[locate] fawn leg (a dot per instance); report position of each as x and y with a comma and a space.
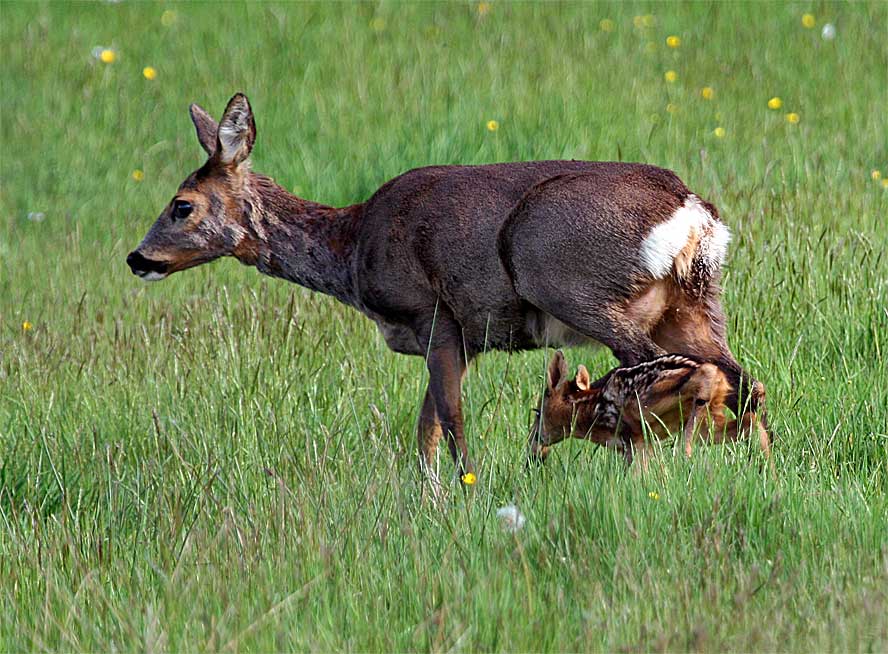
699, 417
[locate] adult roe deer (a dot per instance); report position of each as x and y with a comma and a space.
670, 393
452, 260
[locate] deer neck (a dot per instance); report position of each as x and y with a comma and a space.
298, 240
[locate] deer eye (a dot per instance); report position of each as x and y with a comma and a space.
181, 209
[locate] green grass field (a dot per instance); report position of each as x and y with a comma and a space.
226, 462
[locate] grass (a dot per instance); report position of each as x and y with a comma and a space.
226, 462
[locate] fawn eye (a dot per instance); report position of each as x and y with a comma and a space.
181, 209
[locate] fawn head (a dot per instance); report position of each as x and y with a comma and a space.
208, 217
558, 415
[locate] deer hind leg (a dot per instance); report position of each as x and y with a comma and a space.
748, 426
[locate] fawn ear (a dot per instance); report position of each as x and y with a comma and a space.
237, 131
583, 381
206, 128
557, 370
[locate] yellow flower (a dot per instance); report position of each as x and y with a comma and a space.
775, 103
707, 92
670, 76
492, 125
654, 495
808, 21
792, 118
885, 183
672, 108
168, 17
377, 24
673, 41
26, 326
606, 25
876, 175
469, 478
108, 56
638, 21
149, 72
719, 132
138, 175
483, 8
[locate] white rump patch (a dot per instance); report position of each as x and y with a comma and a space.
690, 221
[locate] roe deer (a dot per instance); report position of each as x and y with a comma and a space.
664, 395
449, 261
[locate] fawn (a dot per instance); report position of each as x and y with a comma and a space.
661, 396
450, 261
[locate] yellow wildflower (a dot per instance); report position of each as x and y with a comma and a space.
808, 21
168, 17
672, 108
876, 175
377, 24
138, 175
492, 125
673, 41
469, 478
670, 76
792, 118
149, 72
719, 132
638, 21
606, 25
26, 326
775, 103
707, 92
885, 183
654, 495
108, 56
483, 8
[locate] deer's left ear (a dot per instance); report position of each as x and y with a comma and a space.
583, 381
237, 131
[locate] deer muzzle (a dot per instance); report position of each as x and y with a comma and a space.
147, 269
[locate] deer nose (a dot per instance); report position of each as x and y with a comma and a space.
141, 266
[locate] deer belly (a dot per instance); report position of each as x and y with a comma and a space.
547, 331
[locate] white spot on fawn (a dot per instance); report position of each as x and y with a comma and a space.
690, 221
511, 519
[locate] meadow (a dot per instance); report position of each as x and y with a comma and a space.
224, 461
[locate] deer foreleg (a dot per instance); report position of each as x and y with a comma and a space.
428, 434
447, 365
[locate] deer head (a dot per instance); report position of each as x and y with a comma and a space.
208, 217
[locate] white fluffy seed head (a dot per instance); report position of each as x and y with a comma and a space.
510, 517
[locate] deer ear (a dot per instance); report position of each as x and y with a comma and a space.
206, 128
237, 131
557, 370
583, 381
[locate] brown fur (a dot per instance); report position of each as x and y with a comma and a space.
450, 261
667, 395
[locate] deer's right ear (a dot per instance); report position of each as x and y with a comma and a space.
206, 128
557, 370
237, 131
